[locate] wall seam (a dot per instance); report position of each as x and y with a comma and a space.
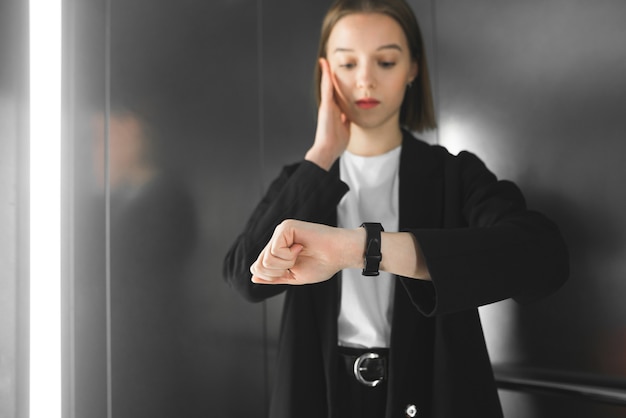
435, 67
261, 133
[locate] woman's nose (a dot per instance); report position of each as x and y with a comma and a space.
365, 77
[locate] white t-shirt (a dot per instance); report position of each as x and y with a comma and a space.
367, 302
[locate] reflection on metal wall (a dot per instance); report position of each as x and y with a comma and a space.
85, 47
166, 150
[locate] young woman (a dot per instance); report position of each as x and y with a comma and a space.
395, 242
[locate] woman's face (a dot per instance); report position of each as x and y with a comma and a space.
369, 56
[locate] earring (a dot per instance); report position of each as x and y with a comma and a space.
409, 84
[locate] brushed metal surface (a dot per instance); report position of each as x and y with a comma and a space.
181, 341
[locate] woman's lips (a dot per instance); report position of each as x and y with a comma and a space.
367, 103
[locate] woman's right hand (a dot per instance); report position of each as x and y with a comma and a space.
333, 127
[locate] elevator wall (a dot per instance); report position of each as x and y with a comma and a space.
536, 89
13, 206
182, 113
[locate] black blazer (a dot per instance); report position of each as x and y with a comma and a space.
481, 245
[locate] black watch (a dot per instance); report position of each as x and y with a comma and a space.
372, 248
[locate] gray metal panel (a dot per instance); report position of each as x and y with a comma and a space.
195, 65
180, 337
84, 49
537, 90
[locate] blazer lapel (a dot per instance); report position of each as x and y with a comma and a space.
327, 304
421, 197
421, 193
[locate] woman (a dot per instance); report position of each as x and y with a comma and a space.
387, 322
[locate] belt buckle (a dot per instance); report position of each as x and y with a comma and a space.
358, 368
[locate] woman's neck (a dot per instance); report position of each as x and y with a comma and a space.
376, 141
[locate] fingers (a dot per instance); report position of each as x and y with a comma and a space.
298, 253
326, 85
329, 85
331, 96
338, 95
274, 263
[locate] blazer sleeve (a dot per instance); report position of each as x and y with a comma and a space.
499, 249
302, 191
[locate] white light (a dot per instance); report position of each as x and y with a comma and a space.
45, 208
454, 134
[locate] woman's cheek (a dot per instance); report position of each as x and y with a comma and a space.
342, 96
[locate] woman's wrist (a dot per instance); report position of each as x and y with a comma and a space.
352, 248
402, 255
320, 159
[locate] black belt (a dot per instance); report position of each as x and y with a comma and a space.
367, 365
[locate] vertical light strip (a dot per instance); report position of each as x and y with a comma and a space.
45, 209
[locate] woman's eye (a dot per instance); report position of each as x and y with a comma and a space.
348, 65
387, 64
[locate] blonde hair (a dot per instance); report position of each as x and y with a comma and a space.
417, 112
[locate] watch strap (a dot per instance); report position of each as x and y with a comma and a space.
372, 254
